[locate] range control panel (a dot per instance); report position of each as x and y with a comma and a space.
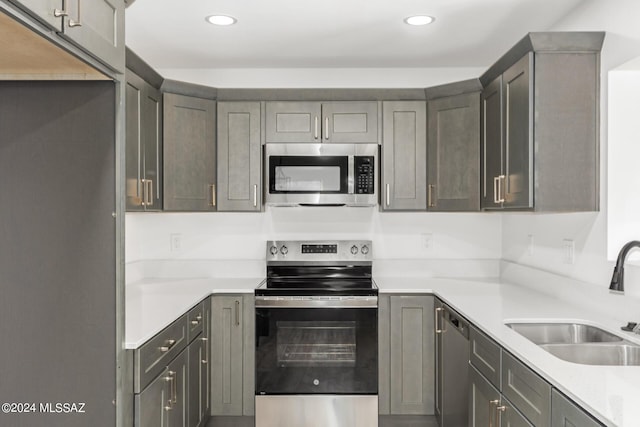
303, 250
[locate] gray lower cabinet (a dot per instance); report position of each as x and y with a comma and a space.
143, 145
540, 138
407, 356
334, 122
564, 413
95, 25
199, 365
404, 156
189, 153
232, 360
239, 157
453, 153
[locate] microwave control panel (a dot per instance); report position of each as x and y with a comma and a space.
364, 171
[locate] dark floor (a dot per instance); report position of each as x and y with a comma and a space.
384, 421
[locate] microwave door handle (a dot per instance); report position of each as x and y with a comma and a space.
351, 175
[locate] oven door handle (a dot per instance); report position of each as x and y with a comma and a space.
316, 302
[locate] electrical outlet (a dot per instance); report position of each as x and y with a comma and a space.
427, 241
530, 244
175, 242
568, 251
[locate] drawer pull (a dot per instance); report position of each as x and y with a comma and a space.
204, 361
167, 347
197, 320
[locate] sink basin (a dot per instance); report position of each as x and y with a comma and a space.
596, 354
563, 333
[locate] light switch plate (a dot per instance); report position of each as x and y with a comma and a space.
568, 251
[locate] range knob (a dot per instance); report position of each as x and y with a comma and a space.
364, 249
273, 250
284, 250
354, 249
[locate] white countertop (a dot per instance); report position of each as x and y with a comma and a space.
611, 393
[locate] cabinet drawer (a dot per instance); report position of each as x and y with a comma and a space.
484, 354
195, 321
526, 390
155, 354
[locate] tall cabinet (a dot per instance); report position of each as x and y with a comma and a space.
239, 156
539, 109
404, 155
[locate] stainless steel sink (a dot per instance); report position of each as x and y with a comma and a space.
562, 333
597, 354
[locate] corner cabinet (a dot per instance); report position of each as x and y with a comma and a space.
406, 362
143, 145
189, 153
239, 157
232, 355
404, 156
540, 136
453, 153
95, 25
345, 122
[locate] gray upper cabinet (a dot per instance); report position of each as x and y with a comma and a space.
337, 122
95, 25
239, 157
143, 145
453, 153
540, 133
404, 155
189, 153
565, 413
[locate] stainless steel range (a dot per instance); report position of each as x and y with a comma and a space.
317, 336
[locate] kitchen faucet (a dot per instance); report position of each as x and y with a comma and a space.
617, 281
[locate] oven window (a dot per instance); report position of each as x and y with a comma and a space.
308, 174
316, 351
307, 178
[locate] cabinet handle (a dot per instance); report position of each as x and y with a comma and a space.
315, 127
60, 13
437, 314
204, 361
326, 128
499, 411
174, 391
167, 347
502, 187
76, 23
237, 313
212, 189
387, 195
255, 195
169, 379
143, 196
496, 185
150, 193
430, 202
197, 320
492, 411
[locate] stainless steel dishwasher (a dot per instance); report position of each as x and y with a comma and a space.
452, 367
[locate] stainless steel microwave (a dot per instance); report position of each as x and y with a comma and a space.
321, 174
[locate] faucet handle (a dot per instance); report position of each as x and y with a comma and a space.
631, 327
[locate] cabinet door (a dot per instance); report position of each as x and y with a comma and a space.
152, 406
454, 153
98, 27
293, 122
529, 392
404, 156
43, 10
517, 91
565, 414
205, 395
412, 355
151, 130
491, 150
197, 381
134, 144
239, 157
483, 399
510, 416
189, 153
350, 122
179, 373
226, 355
439, 361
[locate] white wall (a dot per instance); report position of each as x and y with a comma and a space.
589, 231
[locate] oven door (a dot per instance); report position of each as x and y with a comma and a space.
316, 349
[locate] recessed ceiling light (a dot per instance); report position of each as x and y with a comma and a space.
419, 20
221, 20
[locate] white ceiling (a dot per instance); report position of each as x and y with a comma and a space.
333, 33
